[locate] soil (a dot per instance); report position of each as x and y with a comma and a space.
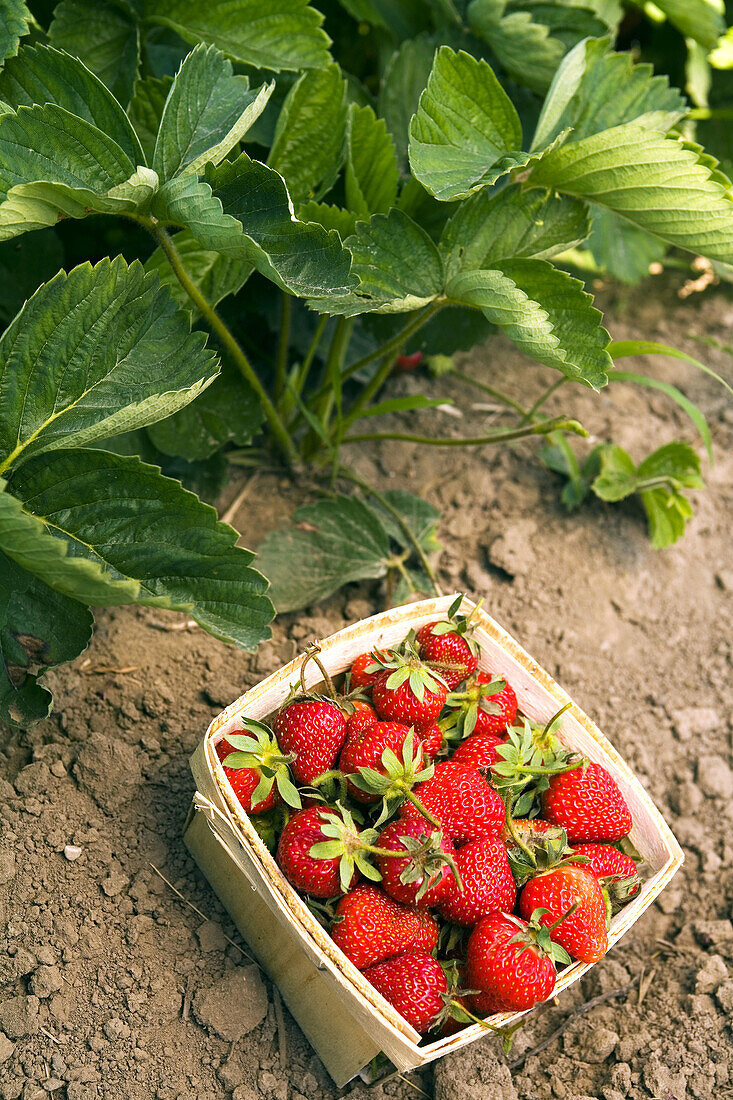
112, 986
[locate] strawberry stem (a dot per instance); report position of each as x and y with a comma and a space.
476, 1019
571, 910
515, 835
311, 654
419, 806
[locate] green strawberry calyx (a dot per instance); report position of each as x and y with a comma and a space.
466, 704
407, 666
258, 748
454, 623
538, 936
523, 770
397, 777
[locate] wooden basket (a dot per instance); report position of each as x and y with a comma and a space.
344, 1018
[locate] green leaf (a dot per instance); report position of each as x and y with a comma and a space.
398, 266
242, 210
402, 404
466, 132
333, 542
652, 181
622, 249
106, 38
107, 529
545, 312
695, 414
595, 89
39, 629
525, 48
24, 264
208, 111
308, 147
228, 411
372, 175
99, 351
215, 276
267, 34
404, 80
330, 217
622, 349
14, 23
700, 20
45, 77
667, 509
513, 224
146, 110
617, 478
420, 516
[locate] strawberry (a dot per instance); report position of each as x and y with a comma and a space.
431, 736
256, 768
583, 932
478, 750
364, 749
359, 677
511, 963
423, 876
314, 731
461, 801
588, 804
487, 883
406, 690
485, 705
407, 363
615, 870
370, 926
305, 869
414, 984
448, 646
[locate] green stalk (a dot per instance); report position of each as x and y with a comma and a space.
310, 354
281, 363
531, 413
397, 341
543, 428
403, 526
222, 332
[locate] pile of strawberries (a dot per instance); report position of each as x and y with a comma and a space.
457, 851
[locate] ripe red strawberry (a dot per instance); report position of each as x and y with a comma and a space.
319, 877
461, 800
360, 678
431, 736
244, 782
583, 933
370, 926
447, 646
588, 804
364, 748
256, 768
528, 826
407, 363
496, 710
610, 865
478, 750
507, 962
314, 730
414, 984
487, 883
424, 875
407, 690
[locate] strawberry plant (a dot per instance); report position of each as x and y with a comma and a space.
328, 195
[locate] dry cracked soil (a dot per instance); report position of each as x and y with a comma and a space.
113, 987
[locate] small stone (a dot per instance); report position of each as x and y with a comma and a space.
591, 1044
714, 777
724, 995
33, 1091
115, 883
711, 975
46, 981
512, 551
724, 578
51, 1084
211, 937
7, 865
19, 1016
621, 1077
58, 769
661, 1081
711, 933
116, 1029
6, 1048
72, 852
234, 1005
694, 721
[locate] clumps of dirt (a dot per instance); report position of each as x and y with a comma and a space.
112, 986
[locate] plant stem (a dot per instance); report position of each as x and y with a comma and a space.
544, 428
310, 354
531, 413
397, 341
403, 526
281, 363
419, 806
222, 332
502, 397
